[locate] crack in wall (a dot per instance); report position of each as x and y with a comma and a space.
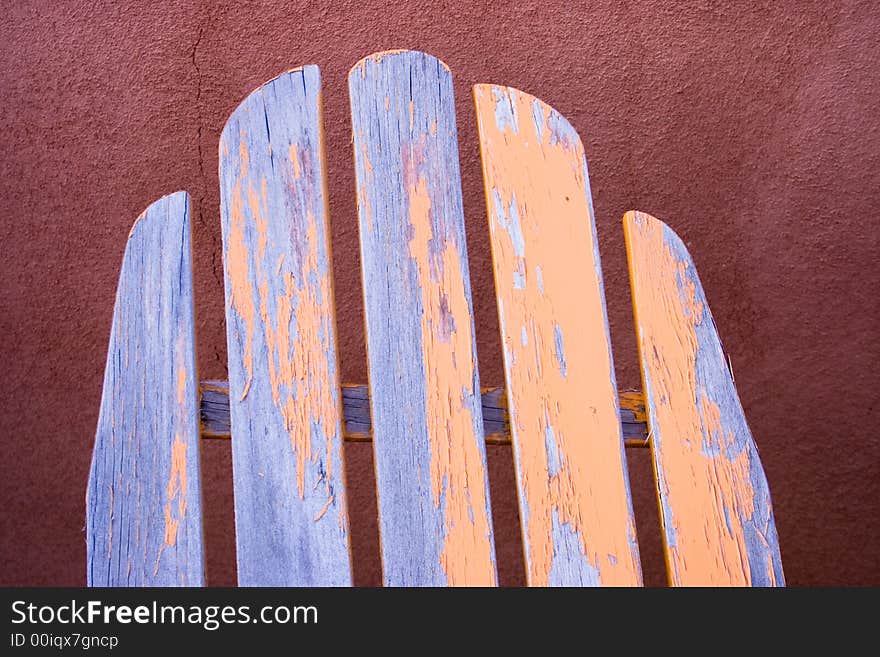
200, 121
203, 192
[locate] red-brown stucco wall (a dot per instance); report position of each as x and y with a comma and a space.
751, 129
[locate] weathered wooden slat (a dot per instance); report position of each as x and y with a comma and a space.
715, 503
433, 490
291, 523
143, 505
357, 425
577, 518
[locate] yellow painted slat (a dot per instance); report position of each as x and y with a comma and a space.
715, 503
574, 497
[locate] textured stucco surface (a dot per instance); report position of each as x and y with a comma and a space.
752, 130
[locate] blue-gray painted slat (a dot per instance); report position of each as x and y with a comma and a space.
433, 496
143, 505
290, 516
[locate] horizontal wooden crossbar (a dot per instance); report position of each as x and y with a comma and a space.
356, 414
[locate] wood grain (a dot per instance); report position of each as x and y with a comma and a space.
291, 522
143, 504
577, 519
427, 424
357, 423
715, 503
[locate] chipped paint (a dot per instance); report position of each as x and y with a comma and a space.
704, 471
291, 364
237, 274
295, 161
376, 58
457, 475
559, 344
286, 425
429, 453
181, 383
176, 492
577, 518
504, 109
364, 202
301, 370
323, 510
368, 167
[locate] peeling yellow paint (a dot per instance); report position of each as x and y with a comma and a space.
564, 414
299, 377
457, 472
181, 384
240, 296
364, 203
261, 222
323, 510
368, 166
294, 160
180, 364
771, 574
243, 155
175, 492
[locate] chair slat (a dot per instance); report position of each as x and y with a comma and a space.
433, 492
143, 505
575, 506
285, 411
715, 504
